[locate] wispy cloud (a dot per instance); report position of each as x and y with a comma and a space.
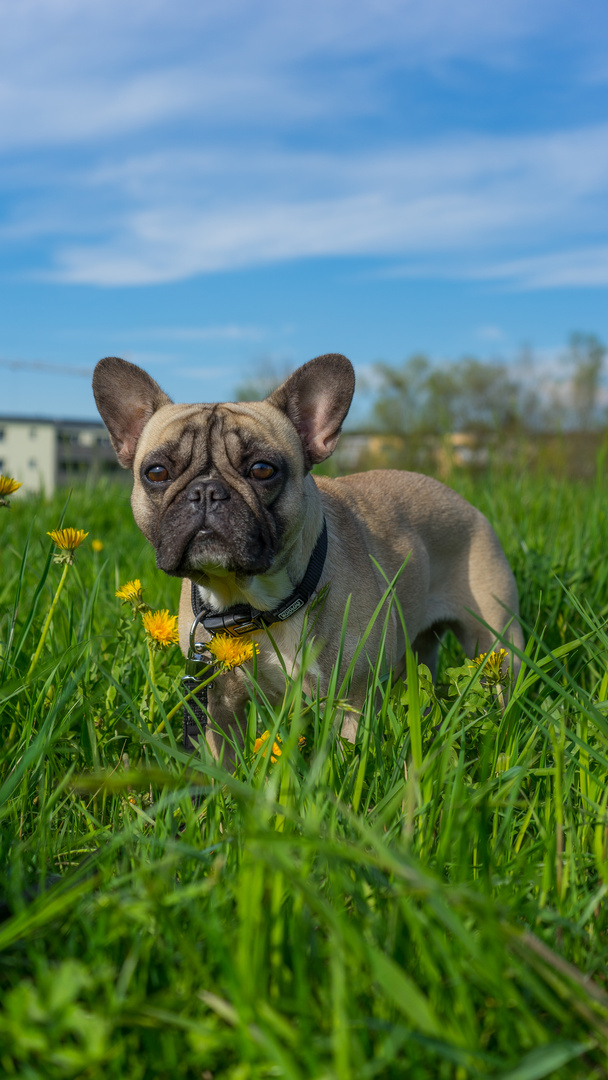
576, 268
140, 148
73, 71
446, 202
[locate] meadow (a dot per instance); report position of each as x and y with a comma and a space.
429, 903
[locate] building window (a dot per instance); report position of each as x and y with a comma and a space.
1, 464
1, 433
33, 432
32, 463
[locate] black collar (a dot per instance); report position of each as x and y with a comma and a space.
242, 618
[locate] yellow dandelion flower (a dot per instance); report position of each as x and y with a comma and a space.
161, 628
477, 661
67, 540
276, 746
232, 652
493, 671
8, 486
97, 545
131, 592
276, 749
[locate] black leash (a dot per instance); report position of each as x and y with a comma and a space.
237, 620
199, 667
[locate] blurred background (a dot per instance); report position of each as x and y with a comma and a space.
220, 191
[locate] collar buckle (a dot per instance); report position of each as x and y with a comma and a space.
233, 623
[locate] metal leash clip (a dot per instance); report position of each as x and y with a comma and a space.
198, 663
199, 660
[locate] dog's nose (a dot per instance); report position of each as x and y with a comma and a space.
206, 491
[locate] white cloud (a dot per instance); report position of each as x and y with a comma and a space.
227, 93
581, 267
446, 203
72, 71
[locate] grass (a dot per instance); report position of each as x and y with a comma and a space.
429, 903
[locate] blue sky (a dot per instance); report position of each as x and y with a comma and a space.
211, 188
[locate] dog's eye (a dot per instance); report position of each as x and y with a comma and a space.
157, 473
262, 470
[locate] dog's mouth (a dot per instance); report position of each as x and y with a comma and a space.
204, 553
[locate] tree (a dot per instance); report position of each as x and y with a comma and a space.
401, 395
422, 398
586, 354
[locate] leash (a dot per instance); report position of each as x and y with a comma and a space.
199, 667
237, 620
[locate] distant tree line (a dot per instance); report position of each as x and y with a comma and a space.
421, 397
424, 398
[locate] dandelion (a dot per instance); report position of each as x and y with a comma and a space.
276, 746
232, 652
8, 486
132, 593
67, 540
493, 672
160, 627
161, 631
97, 545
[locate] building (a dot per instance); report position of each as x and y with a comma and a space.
44, 454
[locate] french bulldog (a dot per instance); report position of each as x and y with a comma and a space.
225, 494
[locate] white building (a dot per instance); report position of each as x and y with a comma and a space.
44, 453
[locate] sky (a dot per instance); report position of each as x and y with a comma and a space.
214, 190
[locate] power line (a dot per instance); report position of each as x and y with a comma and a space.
50, 369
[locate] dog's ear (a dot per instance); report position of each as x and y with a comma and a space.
126, 398
316, 398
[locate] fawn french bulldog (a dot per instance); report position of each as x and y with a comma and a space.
225, 494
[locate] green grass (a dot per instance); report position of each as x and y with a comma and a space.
428, 903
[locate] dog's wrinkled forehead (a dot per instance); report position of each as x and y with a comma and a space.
216, 435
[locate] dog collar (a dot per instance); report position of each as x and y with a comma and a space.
242, 618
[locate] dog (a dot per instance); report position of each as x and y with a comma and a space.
225, 494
